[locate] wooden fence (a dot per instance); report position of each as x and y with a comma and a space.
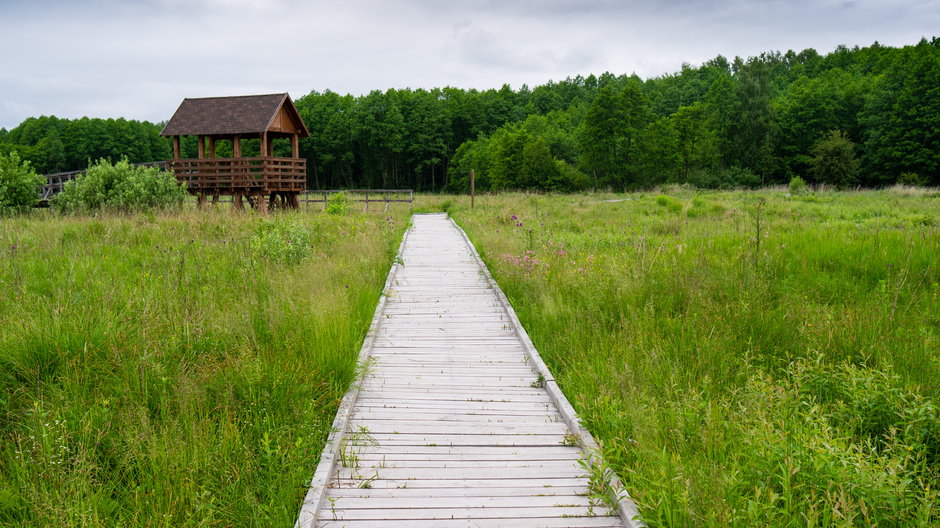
363, 196
366, 197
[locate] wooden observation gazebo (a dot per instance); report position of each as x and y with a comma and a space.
265, 117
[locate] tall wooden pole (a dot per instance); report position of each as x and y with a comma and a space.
473, 191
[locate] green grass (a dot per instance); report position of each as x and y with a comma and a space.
179, 369
745, 358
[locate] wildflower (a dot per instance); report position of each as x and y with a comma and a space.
513, 217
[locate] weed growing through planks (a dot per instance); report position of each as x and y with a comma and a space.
600, 477
367, 483
352, 445
539, 382
333, 506
571, 439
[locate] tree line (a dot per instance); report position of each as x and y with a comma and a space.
865, 116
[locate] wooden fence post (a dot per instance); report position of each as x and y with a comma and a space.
473, 180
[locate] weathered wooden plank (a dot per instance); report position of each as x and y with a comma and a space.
412, 427
365, 466
532, 522
561, 510
480, 483
540, 491
448, 440
437, 457
465, 418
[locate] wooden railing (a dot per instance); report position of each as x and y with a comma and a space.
242, 175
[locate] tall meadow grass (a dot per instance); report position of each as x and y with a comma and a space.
178, 369
745, 358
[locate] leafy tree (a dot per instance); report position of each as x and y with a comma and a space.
752, 119
612, 132
696, 141
19, 184
834, 160
903, 118
811, 107
721, 103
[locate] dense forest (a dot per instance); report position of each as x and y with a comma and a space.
854, 117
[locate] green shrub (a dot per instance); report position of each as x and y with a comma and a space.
572, 178
282, 241
19, 184
912, 179
338, 204
834, 160
798, 186
120, 187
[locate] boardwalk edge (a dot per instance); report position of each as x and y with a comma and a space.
626, 508
310, 507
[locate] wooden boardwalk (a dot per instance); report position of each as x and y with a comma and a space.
455, 422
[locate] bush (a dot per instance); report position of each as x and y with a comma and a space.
834, 160
19, 184
572, 179
338, 204
798, 186
120, 187
282, 241
912, 179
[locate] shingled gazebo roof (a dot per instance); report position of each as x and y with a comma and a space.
227, 116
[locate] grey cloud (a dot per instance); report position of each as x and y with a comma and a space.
138, 58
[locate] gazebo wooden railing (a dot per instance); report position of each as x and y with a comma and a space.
209, 175
253, 178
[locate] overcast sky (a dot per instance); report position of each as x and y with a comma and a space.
139, 58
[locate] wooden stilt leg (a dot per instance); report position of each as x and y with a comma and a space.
237, 202
201, 200
261, 204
